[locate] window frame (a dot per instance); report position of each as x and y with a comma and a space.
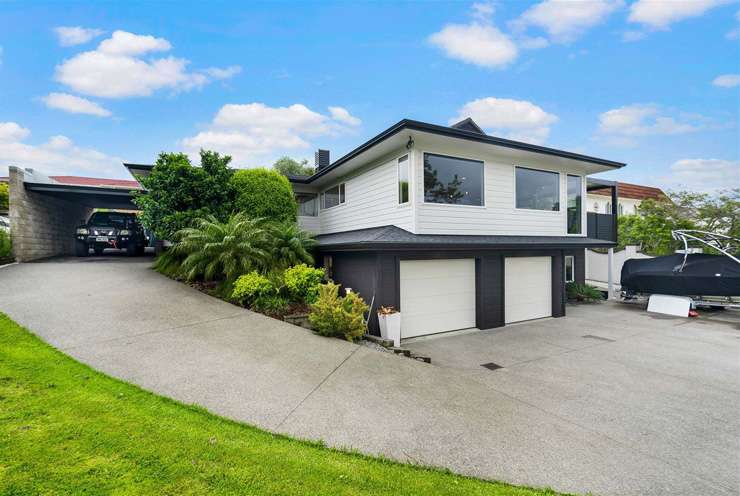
557, 173
341, 192
572, 268
582, 221
456, 157
404, 159
317, 197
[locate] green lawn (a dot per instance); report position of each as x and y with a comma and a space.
67, 429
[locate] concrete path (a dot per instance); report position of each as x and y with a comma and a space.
652, 412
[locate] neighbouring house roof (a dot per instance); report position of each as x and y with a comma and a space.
633, 191
395, 238
4, 179
97, 181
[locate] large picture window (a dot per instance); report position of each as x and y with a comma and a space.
307, 204
537, 189
452, 180
333, 196
403, 179
574, 204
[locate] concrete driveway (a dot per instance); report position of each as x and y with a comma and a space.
644, 406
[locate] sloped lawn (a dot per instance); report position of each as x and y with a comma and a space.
66, 429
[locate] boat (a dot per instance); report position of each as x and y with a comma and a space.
704, 277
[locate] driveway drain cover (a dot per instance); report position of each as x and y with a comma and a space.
491, 366
591, 336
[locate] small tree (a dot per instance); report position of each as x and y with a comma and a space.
263, 193
290, 167
4, 197
177, 193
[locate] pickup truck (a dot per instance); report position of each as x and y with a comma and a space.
103, 230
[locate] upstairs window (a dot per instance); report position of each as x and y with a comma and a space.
403, 179
308, 204
537, 189
333, 196
574, 204
452, 180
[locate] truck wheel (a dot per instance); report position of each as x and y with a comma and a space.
81, 249
132, 249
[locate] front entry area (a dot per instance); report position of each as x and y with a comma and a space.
527, 288
436, 296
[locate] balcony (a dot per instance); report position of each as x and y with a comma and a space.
603, 226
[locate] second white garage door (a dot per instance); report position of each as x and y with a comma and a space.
528, 288
437, 296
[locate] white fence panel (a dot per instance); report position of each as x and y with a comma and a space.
597, 264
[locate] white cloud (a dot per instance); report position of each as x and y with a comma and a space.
341, 114
517, 119
74, 104
223, 73
727, 80
476, 43
704, 174
57, 156
115, 69
76, 35
566, 20
483, 10
533, 43
660, 14
255, 133
630, 36
622, 125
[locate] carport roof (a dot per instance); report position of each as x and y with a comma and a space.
395, 238
89, 191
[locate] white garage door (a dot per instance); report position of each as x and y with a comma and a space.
437, 296
528, 288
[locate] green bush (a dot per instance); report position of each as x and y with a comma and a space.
332, 315
6, 247
289, 244
263, 193
582, 292
251, 287
302, 283
4, 197
273, 305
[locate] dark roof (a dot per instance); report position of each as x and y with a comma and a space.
392, 237
468, 125
455, 133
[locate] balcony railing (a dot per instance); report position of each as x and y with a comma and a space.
601, 226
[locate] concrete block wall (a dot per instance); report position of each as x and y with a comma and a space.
41, 226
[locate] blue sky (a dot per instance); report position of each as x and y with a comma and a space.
653, 83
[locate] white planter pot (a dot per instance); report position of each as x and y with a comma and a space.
390, 327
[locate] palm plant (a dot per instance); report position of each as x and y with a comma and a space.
215, 250
289, 245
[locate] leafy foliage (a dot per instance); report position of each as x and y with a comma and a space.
289, 245
215, 250
4, 197
263, 193
250, 287
290, 167
273, 305
302, 282
6, 247
582, 292
178, 193
332, 315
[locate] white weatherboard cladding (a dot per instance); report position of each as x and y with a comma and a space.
528, 288
499, 216
310, 224
371, 201
436, 296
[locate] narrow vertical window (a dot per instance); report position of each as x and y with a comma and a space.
574, 204
403, 179
570, 268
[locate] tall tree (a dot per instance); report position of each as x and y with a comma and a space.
290, 167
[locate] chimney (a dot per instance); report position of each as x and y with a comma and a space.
321, 158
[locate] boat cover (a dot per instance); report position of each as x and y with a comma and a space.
703, 275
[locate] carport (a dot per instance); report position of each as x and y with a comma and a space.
44, 211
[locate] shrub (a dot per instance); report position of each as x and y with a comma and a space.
6, 247
251, 287
290, 245
302, 282
332, 315
4, 197
582, 292
273, 305
263, 193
